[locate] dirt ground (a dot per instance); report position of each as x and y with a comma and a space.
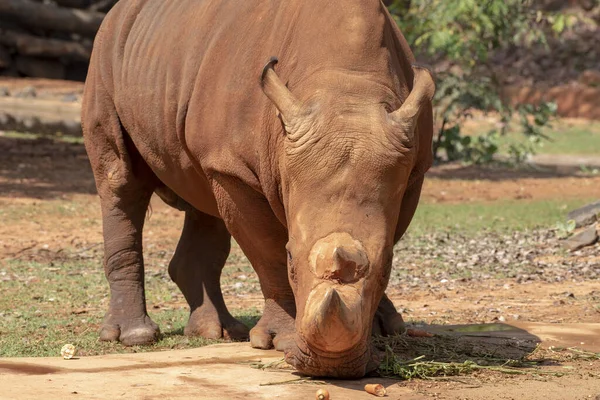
229, 371
49, 212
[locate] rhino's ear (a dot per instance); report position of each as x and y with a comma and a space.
422, 93
287, 104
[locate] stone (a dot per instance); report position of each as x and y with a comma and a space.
586, 215
4, 92
586, 237
27, 92
70, 98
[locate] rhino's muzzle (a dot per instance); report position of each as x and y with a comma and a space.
352, 364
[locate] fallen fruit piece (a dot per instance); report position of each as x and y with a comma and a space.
67, 351
322, 394
375, 389
418, 333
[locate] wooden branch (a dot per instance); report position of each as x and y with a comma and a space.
29, 45
44, 16
102, 5
74, 3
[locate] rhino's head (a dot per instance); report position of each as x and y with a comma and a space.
345, 169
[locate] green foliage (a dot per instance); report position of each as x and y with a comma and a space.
564, 230
463, 35
532, 120
466, 30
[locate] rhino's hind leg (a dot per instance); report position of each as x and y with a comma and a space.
387, 320
196, 268
125, 184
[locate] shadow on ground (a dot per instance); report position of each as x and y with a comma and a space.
496, 173
236, 371
43, 168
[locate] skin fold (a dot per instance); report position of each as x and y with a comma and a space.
314, 164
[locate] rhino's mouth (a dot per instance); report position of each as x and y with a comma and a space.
352, 364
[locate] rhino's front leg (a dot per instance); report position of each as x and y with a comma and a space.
125, 184
126, 320
262, 237
387, 320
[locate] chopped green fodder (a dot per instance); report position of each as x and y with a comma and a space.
394, 367
573, 354
452, 355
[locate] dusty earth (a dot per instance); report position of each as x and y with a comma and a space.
235, 371
49, 212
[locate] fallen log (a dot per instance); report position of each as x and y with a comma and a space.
5, 59
29, 45
44, 16
40, 116
74, 3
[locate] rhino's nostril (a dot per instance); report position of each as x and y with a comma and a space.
344, 267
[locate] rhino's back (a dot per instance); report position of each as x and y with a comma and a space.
183, 76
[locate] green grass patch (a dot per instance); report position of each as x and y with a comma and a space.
498, 216
569, 139
563, 137
59, 137
44, 306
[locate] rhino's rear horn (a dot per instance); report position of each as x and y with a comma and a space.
422, 93
287, 104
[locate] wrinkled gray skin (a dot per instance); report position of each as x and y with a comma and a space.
314, 165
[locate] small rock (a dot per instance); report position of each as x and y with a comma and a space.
501, 319
587, 237
70, 98
4, 92
586, 215
27, 92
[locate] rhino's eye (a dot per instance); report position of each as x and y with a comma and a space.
291, 267
289, 257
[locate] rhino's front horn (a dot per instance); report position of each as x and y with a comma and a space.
332, 320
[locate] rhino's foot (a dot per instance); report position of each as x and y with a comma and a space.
130, 332
210, 324
387, 320
275, 328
